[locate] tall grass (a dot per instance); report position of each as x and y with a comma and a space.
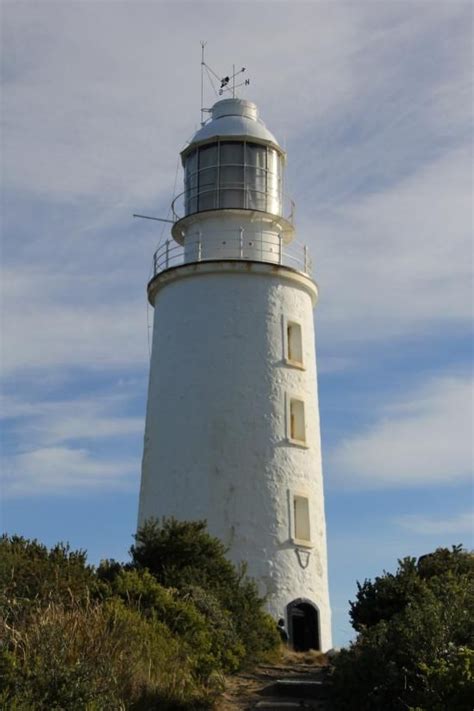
95, 656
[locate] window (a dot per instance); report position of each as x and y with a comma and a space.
208, 177
301, 518
233, 174
191, 182
297, 423
294, 345
256, 176
274, 181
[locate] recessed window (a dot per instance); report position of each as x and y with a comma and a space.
301, 518
297, 423
294, 343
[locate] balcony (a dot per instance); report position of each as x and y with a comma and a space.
236, 244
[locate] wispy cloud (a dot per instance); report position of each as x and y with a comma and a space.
461, 523
398, 262
52, 471
422, 439
46, 423
68, 445
66, 320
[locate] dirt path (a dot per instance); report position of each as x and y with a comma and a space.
244, 690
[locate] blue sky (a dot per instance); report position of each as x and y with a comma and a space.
372, 103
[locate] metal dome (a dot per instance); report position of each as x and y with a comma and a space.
236, 118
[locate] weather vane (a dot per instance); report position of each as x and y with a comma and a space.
225, 83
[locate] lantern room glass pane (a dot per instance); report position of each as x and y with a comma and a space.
191, 163
231, 153
231, 174
273, 161
256, 155
274, 189
208, 156
190, 182
207, 189
256, 188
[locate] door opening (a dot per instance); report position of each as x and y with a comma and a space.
303, 625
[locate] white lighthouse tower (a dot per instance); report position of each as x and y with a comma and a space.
232, 428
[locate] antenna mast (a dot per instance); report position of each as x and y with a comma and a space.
225, 83
203, 44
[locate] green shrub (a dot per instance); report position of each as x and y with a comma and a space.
31, 571
227, 646
414, 648
184, 555
139, 589
156, 633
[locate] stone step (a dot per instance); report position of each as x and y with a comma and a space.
298, 688
290, 705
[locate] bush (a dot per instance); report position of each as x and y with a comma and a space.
414, 649
156, 633
98, 656
29, 571
183, 555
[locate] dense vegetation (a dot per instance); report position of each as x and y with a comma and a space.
156, 633
415, 644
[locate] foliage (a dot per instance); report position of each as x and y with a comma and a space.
31, 571
96, 656
180, 553
183, 555
414, 648
389, 594
158, 632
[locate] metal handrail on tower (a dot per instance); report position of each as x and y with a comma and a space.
181, 202
238, 244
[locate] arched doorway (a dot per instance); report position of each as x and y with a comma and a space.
303, 625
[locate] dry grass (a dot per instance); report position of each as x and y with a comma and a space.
95, 656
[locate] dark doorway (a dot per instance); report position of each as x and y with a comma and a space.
303, 625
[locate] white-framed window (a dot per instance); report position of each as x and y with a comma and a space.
296, 420
302, 530
300, 518
293, 343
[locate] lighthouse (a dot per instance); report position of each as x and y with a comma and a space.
232, 430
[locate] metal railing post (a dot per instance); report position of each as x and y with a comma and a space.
241, 242
280, 245
154, 264
306, 259
199, 255
167, 252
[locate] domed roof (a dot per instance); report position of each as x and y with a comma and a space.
236, 118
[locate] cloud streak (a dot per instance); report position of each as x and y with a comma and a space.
53, 471
69, 445
461, 523
424, 439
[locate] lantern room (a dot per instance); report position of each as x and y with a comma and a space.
233, 161
233, 205
238, 174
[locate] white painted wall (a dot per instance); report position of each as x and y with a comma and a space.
216, 443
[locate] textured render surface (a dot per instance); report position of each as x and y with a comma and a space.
216, 438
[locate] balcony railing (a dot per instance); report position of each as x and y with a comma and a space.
234, 195
239, 245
